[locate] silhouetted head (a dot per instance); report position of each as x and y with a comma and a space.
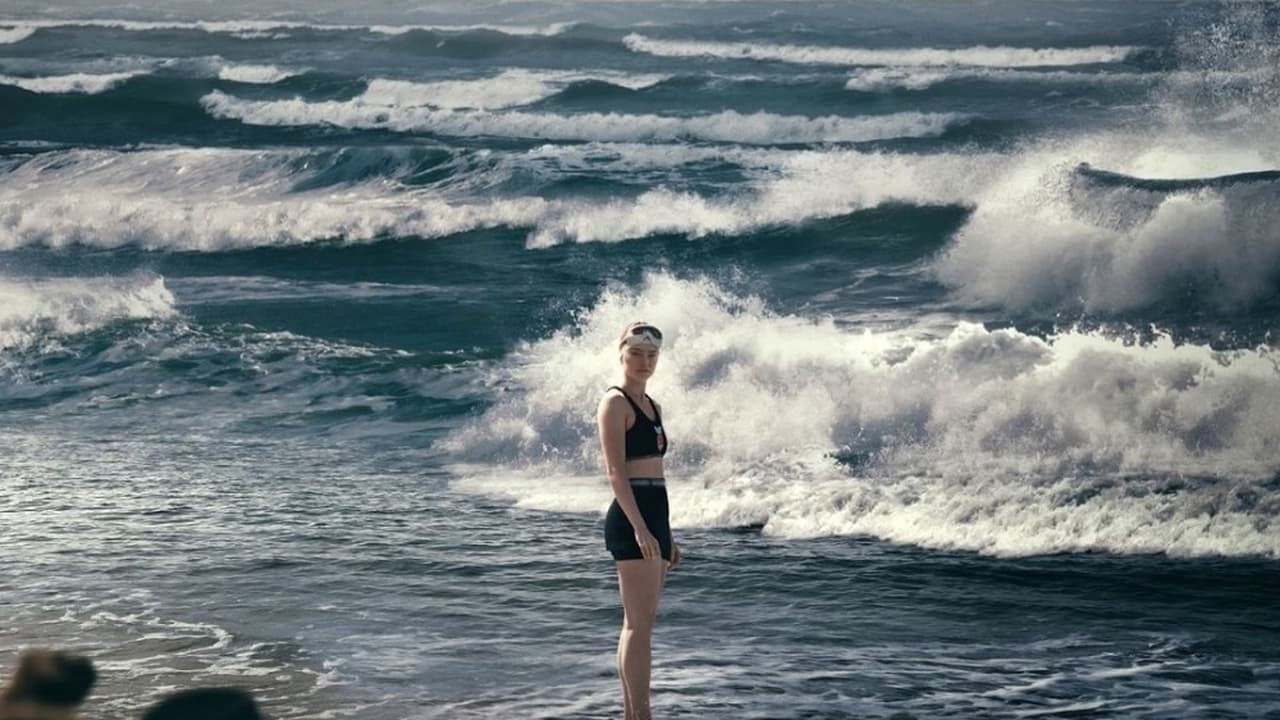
206, 704
48, 678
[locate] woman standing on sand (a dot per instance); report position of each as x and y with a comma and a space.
637, 528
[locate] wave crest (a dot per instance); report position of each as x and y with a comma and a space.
16, 34
805, 186
178, 200
510, 88
1045, 237
32, 310
756, 128
82, 83
9, 36
979, 56
921, 78
264, 28
255, 74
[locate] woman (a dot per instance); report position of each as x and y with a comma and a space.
637, 529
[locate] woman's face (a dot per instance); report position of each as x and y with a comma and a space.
639, 362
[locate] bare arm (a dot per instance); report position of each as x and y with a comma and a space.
611, 422
675, 547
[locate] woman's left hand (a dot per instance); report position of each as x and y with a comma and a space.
675, 555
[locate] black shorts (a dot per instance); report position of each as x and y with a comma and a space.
620, 537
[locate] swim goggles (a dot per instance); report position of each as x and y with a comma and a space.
645, 335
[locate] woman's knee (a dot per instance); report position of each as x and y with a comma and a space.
640, 622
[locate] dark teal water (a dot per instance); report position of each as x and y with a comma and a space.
971, 373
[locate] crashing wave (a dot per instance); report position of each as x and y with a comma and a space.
993, 441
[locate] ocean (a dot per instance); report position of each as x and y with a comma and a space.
972, 374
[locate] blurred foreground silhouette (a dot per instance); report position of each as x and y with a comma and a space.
49, 685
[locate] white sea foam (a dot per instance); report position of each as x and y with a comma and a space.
261, 35
17, 34
922, 78
259, 74
979, 56
109, 218
729, 126
1045, 237
884, 78
543, 30
136, 638
509, 88
992, 441
34, 309
1034, 241
210, 200
260, 27
82, 83
806, 186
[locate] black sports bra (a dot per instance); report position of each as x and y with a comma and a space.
646, 438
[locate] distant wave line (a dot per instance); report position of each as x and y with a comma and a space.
257, 26
82, 83
754, 129
977, 56
255, 74
161, 199
509, 88
923, 78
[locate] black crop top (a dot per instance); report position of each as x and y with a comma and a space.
646, 438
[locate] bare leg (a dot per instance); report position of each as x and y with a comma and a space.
622, 677
640, 583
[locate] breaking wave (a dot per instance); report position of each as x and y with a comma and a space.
1049, 235
979, 56
256, 74
729, 126
9, 36
32, 311
992, 441
83, 83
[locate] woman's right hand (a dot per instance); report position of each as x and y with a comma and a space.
649, 547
